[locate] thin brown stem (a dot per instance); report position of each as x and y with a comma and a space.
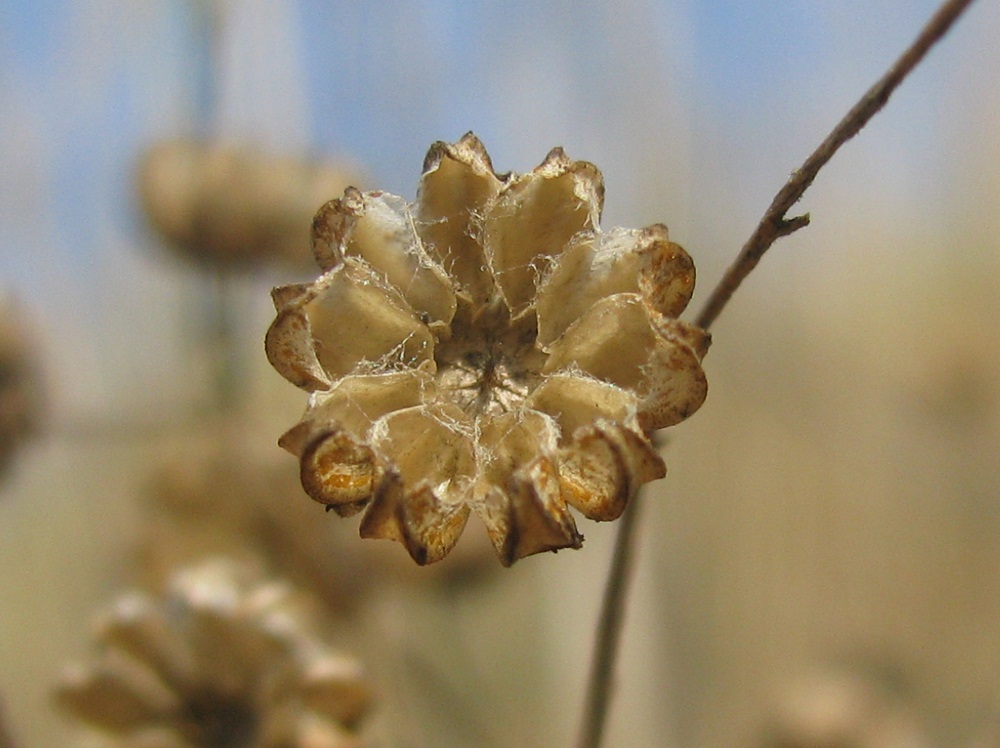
772, 227
601, 679
774, 224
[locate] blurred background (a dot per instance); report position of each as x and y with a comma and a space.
821, 566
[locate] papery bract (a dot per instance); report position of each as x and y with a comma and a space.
486, 350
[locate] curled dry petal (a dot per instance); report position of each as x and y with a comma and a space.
378, 228
604, 459
428, 446
576, 400
524, 511
510, 441
432, 464
597, 265
417, 518
538, 517
337, 470
487, 350
457, 184
603, 465
337, 465
534, 217
664, 371
350, 320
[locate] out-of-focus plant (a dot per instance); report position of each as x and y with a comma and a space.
235, 206
221, 658
21, 390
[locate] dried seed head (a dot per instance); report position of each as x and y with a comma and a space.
222, 659
233, 206
488, 350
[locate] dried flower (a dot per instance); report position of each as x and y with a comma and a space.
487, 349
234, 206
221, 661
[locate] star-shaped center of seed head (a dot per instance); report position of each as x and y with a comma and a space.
490, 363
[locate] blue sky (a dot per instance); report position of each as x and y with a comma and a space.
382, 80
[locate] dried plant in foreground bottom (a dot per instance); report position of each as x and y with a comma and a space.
219, 661
487, 349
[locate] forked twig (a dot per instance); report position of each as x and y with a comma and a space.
772, 227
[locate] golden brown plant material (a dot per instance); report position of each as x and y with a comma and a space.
221, 658
235, 206
489, 349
